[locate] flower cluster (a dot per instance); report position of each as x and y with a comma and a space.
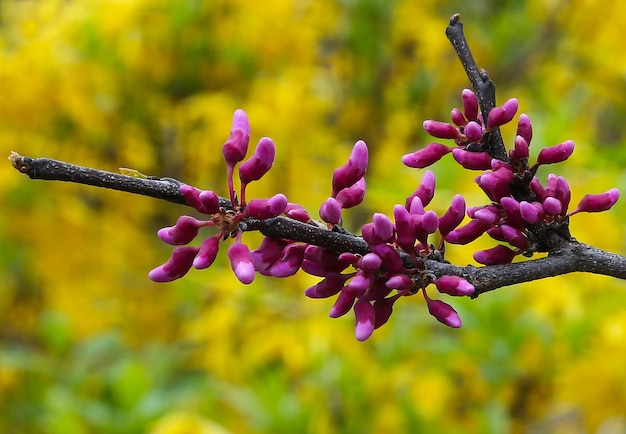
521, 210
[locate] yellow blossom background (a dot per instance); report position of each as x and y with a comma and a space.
89, 344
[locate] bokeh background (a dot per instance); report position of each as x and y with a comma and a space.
88, 344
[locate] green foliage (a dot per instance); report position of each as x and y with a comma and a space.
89, 344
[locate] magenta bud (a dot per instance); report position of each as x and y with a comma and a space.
454, 285
562, 193
425, 191
319, 261
429, 222
597, 202
488, 214
401, 282
365, 314
552, 206
466, 234
235, 149
472, 160
331, 285
370, 262
453, 216
538, 189
263, 209
473, 131
513, 215
176, 267
457, 117
256, 166
343, 304
210, 201
384, 308
390, 257
289, 263
495, 256
330, 211
369, 234
511, 235
185, 230
297, 212
470, 104
524, 128
360, 283
351, 172
269, 251
383, 227
416, 207
556, 154
444, 313
426, 156
502, 114
405, 233
496, 184
442, 130
207, 253
521, 147
532, 212
241, 262
192, 197
352, 196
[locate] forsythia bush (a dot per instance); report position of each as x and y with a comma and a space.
90, 344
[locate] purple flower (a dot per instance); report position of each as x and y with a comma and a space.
426, 156
454, 285
556, 154
256, 166
351, 172
472, 160
263, 209
494, 256
330, 211
597, 202
241, 262
236, 147
351, 196
177, 266
502, 114
443, 312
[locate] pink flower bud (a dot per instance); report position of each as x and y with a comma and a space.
556, 154
352, 196
524, 128
383, 227
210, 201
192, 196
454, 285
457, 117
269, 251
511, 235
442, 130
351, 172
562, 193
415, 206
495, 256
235, 149
466, 234
496, 184
488, 214
426, 156
390, 257
521, 147
429, 222
297, 212
360, 283
331, 285
176, 267
597, 202
383, 308
343, 304
513, 215
473, 131
401, 282
319, 261
552, 206
330, 211
453, 216
425, 191
365, 314
370, 262
207, 253
289, 263
444, 313
263, 209
470, 104
405, 233
369, 234
241, 262
256, 166
185, 230
532, 212
502, 114
538, 189
472, 160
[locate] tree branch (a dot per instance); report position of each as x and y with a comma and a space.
571, 257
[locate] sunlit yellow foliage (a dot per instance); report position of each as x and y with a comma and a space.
89, 344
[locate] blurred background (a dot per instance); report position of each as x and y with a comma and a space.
89, 344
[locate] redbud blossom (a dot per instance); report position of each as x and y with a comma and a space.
207, 253
457, 117
473, 131
524, 128
597, 202
269, 251
256, 166
343, 304
502, 114
329, 286
443, 312
185, 230
472, 160
297, 212
330, 211
552, 206
263, 209
513, 215
556, 154
176, 267
442, 130
348, 174
210, 201
470, 104
426, 156
192, 197
453, 216
425, 191
532, 212
352, 196
289, 262
241, 262
467, 233
365, 314
454, 285
401, 282
235, 149
521, 147
383, 227
405, 234
494, 256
